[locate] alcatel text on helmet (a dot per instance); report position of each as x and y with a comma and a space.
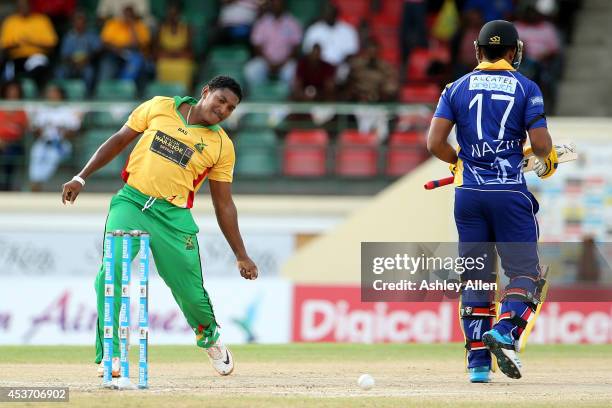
501, 33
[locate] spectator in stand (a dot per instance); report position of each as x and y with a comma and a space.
275, 38
53, 126
491, 9
59, 11
413, 28
541, 56
566, 18
173, 48
108, 9
235, 20
13, 126
79, 53
371, 79
339, 40
27, 41
462, 44
314, 78
125, 40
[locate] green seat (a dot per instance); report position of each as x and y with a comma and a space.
305, 11
116, 89
199, 40
255, 121
257, 154
165, 89
89, 143
158, 9
75, 89
230, 55
30, 91
104, 119
269, 92
264, 137
231, 71
200, 12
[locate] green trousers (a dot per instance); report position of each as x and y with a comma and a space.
176, 253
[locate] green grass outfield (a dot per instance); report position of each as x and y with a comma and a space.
399, 367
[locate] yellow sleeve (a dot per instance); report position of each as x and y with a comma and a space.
223, 170
7, 36
46, 33
107, 35
140, 117
143, 34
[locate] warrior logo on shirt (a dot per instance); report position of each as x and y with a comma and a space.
171, 149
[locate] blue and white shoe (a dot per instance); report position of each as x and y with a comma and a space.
503, 349
480, 374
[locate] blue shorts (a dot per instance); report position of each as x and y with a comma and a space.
505, 219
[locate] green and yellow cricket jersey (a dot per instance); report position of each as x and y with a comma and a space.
172, 159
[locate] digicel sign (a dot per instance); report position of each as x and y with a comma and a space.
336, 314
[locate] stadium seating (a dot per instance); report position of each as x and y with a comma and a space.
391, 11
357, 154
305, 153
75, 89
104, 119
257, 153
420, 93
406, 151
224, 56
89, 143
420, 61
353, 11
165, 89
255, 121
116, 89
306, 12
29, 88
269, 92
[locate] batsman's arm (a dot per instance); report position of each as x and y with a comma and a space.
437, 140
227, 217
541, 142
105, 153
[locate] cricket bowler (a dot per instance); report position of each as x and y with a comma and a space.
181, 144
493, 109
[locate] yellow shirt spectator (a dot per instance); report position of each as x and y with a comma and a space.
119, 33
25, 36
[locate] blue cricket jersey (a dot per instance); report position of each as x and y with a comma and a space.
492, 108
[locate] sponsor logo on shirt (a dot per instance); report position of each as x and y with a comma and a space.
171, 149
536, 100
498, 83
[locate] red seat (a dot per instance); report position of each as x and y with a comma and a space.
354, 137
392, 10
353, 11
357, 154
391, 55
420, 93
404, 139
403, 160
418, 63
307, 137
406, 151
416, 119
305, 153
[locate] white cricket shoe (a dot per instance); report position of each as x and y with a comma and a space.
221, 358
116, 368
